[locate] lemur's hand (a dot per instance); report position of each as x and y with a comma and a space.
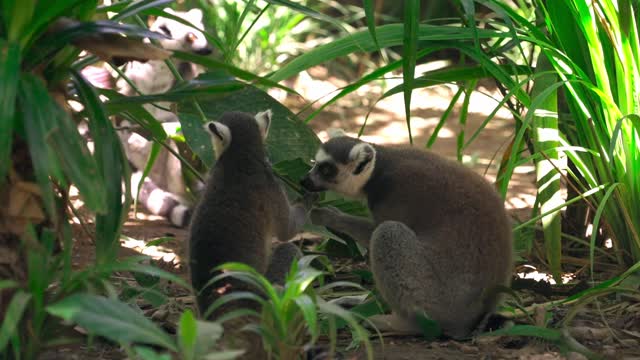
324, 216
309, 199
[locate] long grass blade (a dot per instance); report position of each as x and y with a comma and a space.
410, 50
9, 73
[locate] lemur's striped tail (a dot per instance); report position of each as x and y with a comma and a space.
163, 203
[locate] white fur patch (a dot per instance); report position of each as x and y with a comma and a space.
178, 215
156, 201
322, 155
220, 144
263, 119
353, 184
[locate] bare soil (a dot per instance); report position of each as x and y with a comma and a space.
609, 327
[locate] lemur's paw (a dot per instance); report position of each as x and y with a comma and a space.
324, 215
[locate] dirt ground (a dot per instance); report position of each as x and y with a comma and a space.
610, 327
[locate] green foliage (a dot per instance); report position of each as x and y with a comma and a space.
256, 35
288, 317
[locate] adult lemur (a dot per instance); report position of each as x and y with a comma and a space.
440, 240
243, 207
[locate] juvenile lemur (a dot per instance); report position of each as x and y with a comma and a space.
243, 207
440, 240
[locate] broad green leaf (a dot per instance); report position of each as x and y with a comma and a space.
289, 138
111, 319
10, 74
197, 138
12, 317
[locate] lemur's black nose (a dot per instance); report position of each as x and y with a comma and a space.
204, 51
309, 185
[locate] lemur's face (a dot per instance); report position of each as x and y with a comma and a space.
221, 131
183, 37
343, 165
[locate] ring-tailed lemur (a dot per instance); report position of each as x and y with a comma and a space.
164, 191
242, 209
440, 239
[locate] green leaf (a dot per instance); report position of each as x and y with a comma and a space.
16, 308
53, 42
546, 138
147, 269
197, 138
138, 6
20, 16
308, 307
8, 284
307, 11
208, 334
159, 241
213, 64
410, 50
430, 328
224, 355
528, 330
187, 335
47, 13
111, 319
35, 108
112, 168
388, 35
9, 73
289, 138
146, 353
370, 14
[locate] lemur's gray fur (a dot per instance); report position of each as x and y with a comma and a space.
243, 206
440, 240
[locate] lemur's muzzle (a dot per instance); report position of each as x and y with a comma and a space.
309, 185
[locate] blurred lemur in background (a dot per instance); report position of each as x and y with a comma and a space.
164, 191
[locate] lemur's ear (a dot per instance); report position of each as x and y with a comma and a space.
220, 136
195, 15
362, 156
335, 132
264, 122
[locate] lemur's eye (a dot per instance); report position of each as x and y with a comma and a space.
165, 30
327, 170
191, 37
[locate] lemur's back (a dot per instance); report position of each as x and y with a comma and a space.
457, 216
